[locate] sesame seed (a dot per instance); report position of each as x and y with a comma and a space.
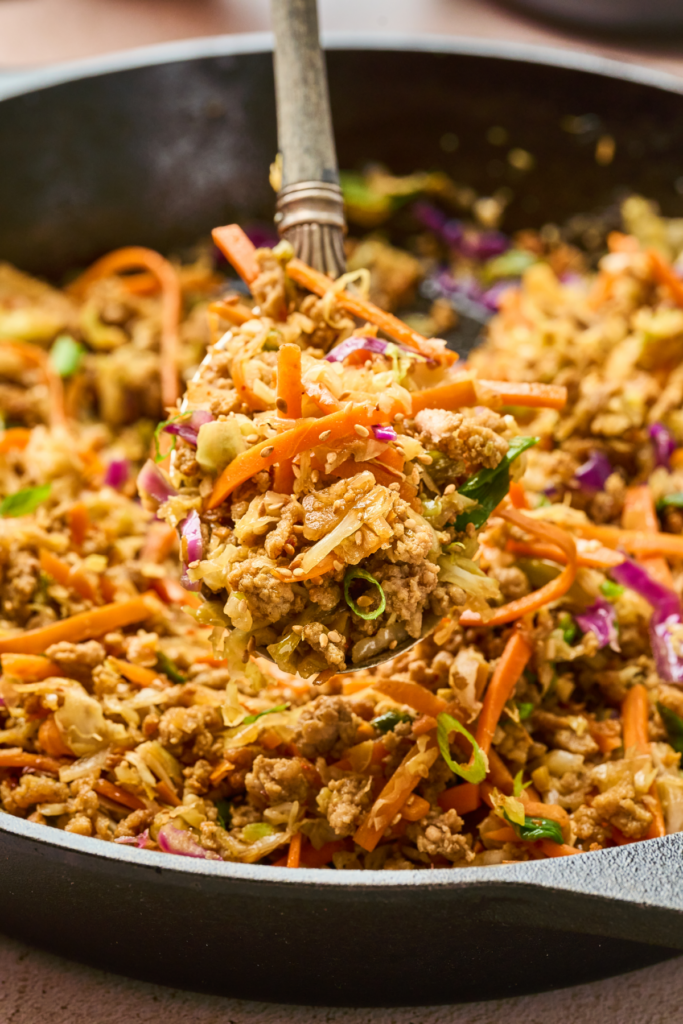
410, 524
315, 476
297, 629
359, 537
426, 460
281, 405
334, 636
268, 450
393, 645
323, 641
344, 394
361, 430
298, 572
338, 565
394, 487
450, 489
325, 434
252, 439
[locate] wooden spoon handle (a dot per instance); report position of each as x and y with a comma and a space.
304, 122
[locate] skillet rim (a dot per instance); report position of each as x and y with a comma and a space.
617, 873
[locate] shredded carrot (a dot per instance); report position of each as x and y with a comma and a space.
15, 757
223, 768
321, 396
511, 664
636, 542
639, 513
30, 668
664, 273
454, 395
171, 592
551, 849
138, 674
506, 834
78, 521
604, 736
530, 396
67, 575
294, 854
168, 795
355, 685
463, 798
83, 626
424, 724
160, 541
603, 558
238, 251
361, 308
415, 807
619, 242
412, 694
15, 437
118, 795
290, 443
552, 591
518, 495
244, 388
130, 258
232, 310
634, 716
289, 381
394, 795
38, 357
51, 739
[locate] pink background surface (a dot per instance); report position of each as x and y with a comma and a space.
36, 988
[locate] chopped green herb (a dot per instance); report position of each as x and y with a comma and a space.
257, 830
518, 785
169, 668
66, 355
568, 627
159, 456
512, 263
611, 590
250, 719
22, 503
361, 574
526, 710
488, 487
673, 724
675, 500
389, 720
446, 724
537, 828
224, 809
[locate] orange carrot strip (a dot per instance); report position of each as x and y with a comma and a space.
232, 310
84, 626
138, 674
531, 396
551, 849
67, 575
118, 795
605, 558
518, 495
639, 513
506, 834
619, 242
223, 768
415, 808
634, 716
636, 542
160, 541
238, 251
30, 668
664, 273
15, 437
288, 444
424, 724
604, 737
171, 592
78, 520
320, 284
51, 739
289, 381
38, 357
511, 664
412, 694
463, 798
312, 858
15, 757
129, 258
454, 395
294, 853
391, 800
392, 458
552, 591
168, 795
322, 397
242, 386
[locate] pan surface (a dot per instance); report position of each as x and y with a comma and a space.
155, 147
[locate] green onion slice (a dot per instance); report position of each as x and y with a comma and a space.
24, 502
477, 772
361, 574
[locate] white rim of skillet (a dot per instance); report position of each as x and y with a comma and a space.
614, 869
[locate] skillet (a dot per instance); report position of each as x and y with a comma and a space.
155, 147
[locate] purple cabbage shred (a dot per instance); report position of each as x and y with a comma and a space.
593, 474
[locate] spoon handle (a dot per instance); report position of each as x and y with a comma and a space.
310, 208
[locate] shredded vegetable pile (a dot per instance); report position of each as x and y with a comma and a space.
537, 518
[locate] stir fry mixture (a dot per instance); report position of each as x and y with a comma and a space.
537, 518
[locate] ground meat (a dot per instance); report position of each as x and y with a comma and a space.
588, 826
267, 598
198, 778
438, 835
269, 287
32, 789
471, 438
563, 736
279, 780
79, 824
134, 823
351, 796
617, 806
315, 634
282, 536
19, 582
326, 595
326, 723
512, 581
242, 758
189, 732
77, 661
407, 591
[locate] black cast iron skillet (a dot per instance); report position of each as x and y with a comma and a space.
155, 148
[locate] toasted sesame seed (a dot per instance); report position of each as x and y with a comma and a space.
338, 565
245, 656
359, 537
297, 629
410, 524
298, 572
426, 460
323, 640
315, 476
252, 439
361, 430
325, 434
450, 489
393, 645
268, 450
334, 636
394, 487
281, 405
344, 394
